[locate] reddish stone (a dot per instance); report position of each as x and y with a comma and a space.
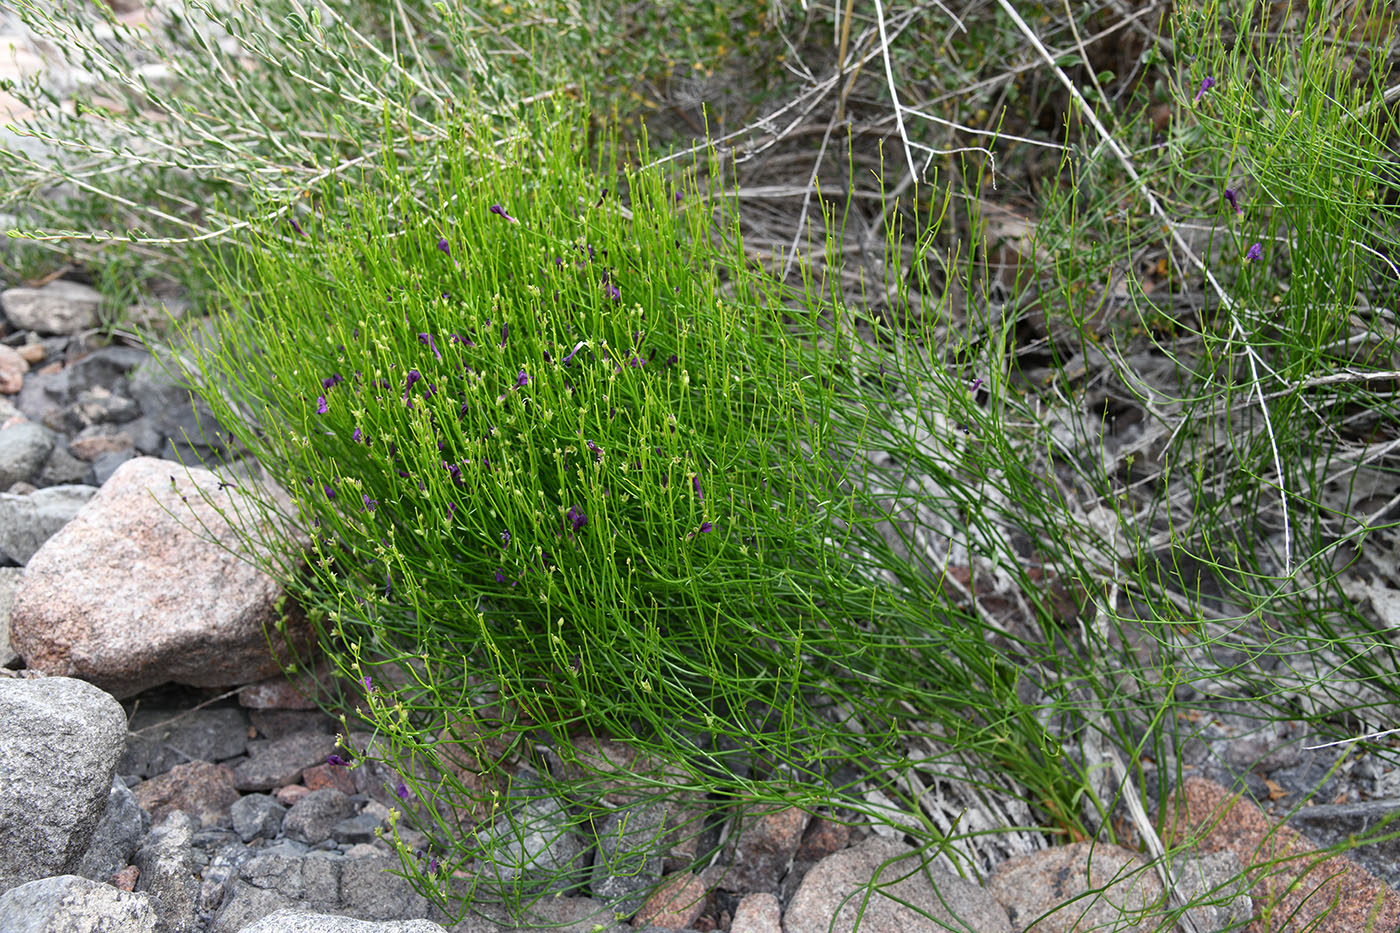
823, 838
12, 370
289, 795
203, 790
334, 777
763, 850
150, 584
676, 904
32, 353
125, 880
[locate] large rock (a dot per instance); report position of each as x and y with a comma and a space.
59, 307
26, 522
58, 751
363, 888
903, 895
1083, 886
300, 921
69, 904
130, 594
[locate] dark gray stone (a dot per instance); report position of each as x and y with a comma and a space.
630, 859
1332, 824
58, 753
321, 881
168, 864
534, 846
106, 464
310, 819
172, 410
161, 739
26, 522
280, 762
356, 829
69, 904
218, 873
96, 405
64, 469
118, 835
257, 816
23, 449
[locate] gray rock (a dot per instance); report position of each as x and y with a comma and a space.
167, 863
60, 307
1336, 823
118, 835
363, 888
26, 522
356, 829
310, 819
69, 904
9, 583
903, 895
58, 753
64, 469
534, 846
257, 816
159, 740
23, 449
108, 463
281, 761
1216, 883
145, 436
630, 859
97, 405
218, 873
172, 410
300, 921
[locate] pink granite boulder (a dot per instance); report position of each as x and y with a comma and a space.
131, 593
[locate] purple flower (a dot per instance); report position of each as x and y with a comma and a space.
402, 792
500, 575
367, 684
976, 384
321, 406
334, 379
335, 761
427, 341
433, 865
296, 226
612, 291
695, 484
369, 503
576, 517
522, 380
357, 436
413, 376
1255, 253
577, 347
443, 245
330, 493
1230, 196
501, 212
504, 329
597, 451
1206, 84
505, 538
706, 527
